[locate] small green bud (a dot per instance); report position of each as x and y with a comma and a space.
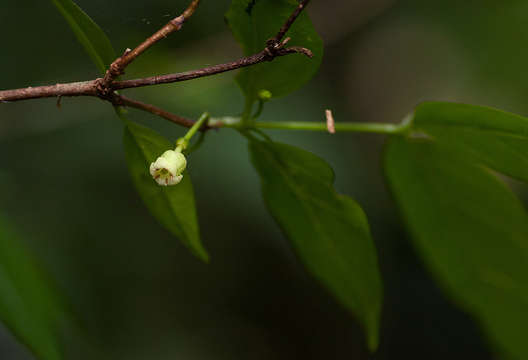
167, 169
265, 95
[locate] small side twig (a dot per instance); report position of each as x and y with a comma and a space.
117, 68
288, 24
120, 100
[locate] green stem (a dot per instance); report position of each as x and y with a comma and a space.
377, 128
183, 142
248, 107
342, 127
257, 114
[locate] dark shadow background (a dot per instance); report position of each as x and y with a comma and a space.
138, 293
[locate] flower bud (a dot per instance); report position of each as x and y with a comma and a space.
167, 169
265, 95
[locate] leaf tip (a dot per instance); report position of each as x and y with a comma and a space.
373, 341
371, 324
202, 254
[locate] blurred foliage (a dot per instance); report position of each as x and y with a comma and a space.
138, 292
29, 306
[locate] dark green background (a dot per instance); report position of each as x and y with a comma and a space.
140, 294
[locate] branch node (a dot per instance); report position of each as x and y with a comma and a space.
273, 48
177, 22
102, 90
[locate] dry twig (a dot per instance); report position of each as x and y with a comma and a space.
104, 88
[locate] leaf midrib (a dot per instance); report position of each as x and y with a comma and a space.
473, 128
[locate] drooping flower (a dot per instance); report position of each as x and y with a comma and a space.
167, 169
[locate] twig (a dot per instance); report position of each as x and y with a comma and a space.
105, 88
89, 88
287, 25
84, 88
208, 71
120, 100
117, 68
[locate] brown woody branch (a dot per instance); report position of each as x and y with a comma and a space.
262, 56
90, 88
288, 24
120, 100
84, 88
117, 68
105, 88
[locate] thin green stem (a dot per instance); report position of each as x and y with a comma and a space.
197, 125
183, 142
248, 108
257, 114
377, 128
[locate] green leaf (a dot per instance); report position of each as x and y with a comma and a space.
469, 227
329, 231
496, 138
253, 22
88, 33
29, 307
174, 206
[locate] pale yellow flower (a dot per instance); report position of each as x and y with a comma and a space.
167, 169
